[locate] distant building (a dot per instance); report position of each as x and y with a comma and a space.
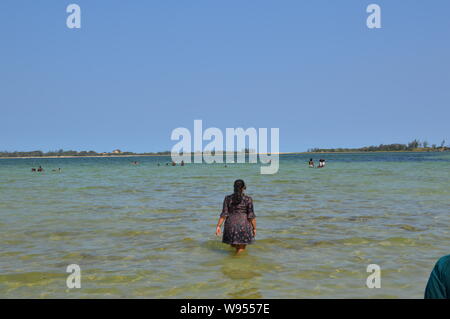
117, 151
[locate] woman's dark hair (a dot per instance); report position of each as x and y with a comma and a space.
239, 186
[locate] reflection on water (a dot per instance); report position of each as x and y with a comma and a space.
148, 232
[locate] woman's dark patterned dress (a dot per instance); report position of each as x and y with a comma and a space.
238, 230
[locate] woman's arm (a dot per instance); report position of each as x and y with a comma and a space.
251, 215
219, 224
253, 222
223, 215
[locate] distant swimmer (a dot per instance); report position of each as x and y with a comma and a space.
311, 163
40, 169
240, 220
33, 169
174, 164
182, 163
321, 163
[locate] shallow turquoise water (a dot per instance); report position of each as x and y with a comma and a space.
148, 232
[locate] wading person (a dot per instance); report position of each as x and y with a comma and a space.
240, 220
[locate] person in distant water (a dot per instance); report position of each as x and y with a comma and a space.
311, 163
40, 169
182, 163
438, 286
33, 169
321, 163
174, 164
239, 218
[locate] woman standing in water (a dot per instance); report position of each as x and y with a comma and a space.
239, 218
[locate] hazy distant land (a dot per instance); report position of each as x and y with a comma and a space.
414, 146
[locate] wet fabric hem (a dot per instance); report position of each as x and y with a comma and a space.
236, 243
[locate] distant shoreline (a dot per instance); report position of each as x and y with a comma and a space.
82, 156
168, 155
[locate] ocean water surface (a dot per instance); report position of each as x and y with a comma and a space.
147, 231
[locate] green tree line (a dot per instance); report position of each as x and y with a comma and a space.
415, 145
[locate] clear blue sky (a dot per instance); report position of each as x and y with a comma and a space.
138, 69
